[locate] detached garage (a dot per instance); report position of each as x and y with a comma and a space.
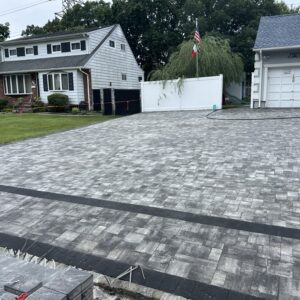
276, 79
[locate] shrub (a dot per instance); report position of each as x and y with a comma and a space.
7, 109
3, 103
75, 110
38, 106
58, 102
83, 105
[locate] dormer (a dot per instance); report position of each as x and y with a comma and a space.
53, 45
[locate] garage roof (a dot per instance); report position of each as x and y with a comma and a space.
278, 31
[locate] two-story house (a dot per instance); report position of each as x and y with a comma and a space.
92, 65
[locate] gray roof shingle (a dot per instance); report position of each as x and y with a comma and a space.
51, 36
43, 64
278, 31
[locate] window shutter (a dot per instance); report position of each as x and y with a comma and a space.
83, 45
21, 51
49, 50
6, 53
45, 83
35, 50
66, 47
71, 82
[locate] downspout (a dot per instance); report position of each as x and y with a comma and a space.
88, 87
260, 78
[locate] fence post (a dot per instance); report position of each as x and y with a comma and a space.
221, 90
113, 101
141, 95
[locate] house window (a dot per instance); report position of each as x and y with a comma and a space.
29, 50
17, 84
75, 46
64, 81
140, 78
112, 44
124, 77
123, 47
58, 82
13, 52
56, 48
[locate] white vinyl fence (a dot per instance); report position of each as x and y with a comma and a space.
188, 94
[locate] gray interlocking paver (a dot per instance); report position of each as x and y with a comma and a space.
224, 257
247, 170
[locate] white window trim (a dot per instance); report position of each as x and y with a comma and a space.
75, 49
12, 50
123, 74
17, 85
124, 50
114, 46
55, 46
29, 53
295, 64
60, 81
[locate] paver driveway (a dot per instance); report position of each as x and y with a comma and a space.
244, 170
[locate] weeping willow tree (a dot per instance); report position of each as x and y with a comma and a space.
215, 58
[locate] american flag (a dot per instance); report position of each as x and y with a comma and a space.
197, 36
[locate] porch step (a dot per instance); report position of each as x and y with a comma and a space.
25, 107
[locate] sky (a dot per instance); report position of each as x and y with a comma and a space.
39, 13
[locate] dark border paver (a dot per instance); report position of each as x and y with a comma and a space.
157, 280
160, 212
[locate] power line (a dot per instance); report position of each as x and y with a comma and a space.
26, 7
19, 7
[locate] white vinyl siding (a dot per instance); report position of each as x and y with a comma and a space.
75, 96
95, 37
276, 79
42, 51
108, 64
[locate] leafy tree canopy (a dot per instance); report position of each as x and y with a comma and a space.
4, 31
154, 28
215, 58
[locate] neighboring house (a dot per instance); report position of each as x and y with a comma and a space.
93, 65
276, 79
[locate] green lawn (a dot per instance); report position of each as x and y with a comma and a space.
14, 127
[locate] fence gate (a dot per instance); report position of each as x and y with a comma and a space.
127, 101
97, 100
107, 101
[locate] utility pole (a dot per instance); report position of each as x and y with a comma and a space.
68, 4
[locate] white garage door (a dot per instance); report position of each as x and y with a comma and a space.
283, 88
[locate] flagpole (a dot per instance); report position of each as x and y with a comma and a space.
197, 54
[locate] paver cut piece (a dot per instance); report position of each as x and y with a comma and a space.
23, 286
18, 276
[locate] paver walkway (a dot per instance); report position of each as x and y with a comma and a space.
239, 170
